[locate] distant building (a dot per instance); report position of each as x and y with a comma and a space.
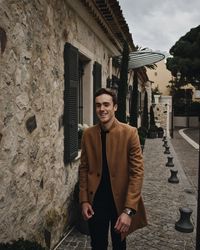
160, 77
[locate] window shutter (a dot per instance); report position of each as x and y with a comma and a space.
70, 103
96, 84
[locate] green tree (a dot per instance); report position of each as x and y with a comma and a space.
122, 89
186, 58
134, 101
134, 94
145, 116
152, 117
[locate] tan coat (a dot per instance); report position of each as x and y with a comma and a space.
125, 165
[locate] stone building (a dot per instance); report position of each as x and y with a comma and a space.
160, 78
54, 55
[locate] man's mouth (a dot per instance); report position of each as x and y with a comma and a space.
103, 115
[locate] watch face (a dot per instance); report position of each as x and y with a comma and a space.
130, 212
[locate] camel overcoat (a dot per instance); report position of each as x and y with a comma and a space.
126, 168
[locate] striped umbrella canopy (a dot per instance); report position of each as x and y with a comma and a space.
142, 58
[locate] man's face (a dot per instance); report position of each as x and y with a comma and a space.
105, 109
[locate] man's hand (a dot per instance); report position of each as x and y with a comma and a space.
123, 223
87, 211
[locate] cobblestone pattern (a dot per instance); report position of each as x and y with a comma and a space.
77, 241
162, 200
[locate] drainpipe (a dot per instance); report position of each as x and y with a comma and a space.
110, 68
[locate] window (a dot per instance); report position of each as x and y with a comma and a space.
70, 118
80, 92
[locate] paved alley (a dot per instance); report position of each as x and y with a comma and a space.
162, 200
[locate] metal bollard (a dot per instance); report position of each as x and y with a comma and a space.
184, 224
167, 150
165, 144
169, 162
173, 178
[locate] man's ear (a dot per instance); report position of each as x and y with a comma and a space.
115, 107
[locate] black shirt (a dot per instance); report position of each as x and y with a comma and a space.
104, 194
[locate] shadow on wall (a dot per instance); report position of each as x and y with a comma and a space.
75, 217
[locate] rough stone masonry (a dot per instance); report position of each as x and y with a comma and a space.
35, 186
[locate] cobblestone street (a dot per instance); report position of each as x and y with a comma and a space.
188, 156
162, 200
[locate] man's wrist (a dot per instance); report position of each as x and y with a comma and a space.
84, 202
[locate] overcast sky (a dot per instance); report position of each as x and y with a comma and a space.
158, 24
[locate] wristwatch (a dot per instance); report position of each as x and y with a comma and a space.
129, 211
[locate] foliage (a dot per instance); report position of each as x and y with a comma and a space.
186, 58
152, 98
134, 101
160, 129
81, 128
153, 128
122, 89
172, 87
80, 134
182, 99
152, 118
145, 117
21, 244
142, 132
153, 131
156, 91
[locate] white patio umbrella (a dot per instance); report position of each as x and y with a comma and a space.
142, 58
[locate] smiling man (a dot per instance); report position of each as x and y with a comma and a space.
110, 176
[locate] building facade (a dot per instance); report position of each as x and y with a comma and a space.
55, 55
160, 78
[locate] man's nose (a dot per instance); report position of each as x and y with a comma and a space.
102, 107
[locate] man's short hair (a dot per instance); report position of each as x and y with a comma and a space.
107, 91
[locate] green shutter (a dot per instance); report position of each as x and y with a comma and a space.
96, 84
70, 103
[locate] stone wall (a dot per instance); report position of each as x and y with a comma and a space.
35, 186
161, 114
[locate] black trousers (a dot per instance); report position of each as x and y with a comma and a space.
105, 215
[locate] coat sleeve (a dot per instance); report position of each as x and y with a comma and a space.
83, 173
136, 171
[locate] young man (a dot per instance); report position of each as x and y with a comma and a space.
110, 176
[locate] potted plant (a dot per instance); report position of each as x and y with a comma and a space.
156, 92
160, 132
80, 133
145, 116
142, 132
81, 128
153, 132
